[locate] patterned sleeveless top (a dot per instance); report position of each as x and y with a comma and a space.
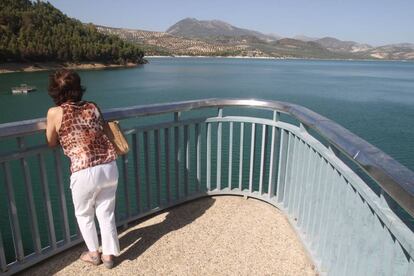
82, 137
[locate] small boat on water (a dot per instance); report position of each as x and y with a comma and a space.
23, 89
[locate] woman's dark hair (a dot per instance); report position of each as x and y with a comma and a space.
65, 85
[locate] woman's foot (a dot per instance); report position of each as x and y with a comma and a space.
108, 261
90, 257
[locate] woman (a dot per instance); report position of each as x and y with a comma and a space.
78, 126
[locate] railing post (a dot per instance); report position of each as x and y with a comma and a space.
219, 142
284, 198
14, 219
186, 159
283, 158
47, 201
252, 153
29, 199
177, 116
167, 163
157, 165
198, 155
272, 164
208, 165
126, 192
3, 263
230, 155
135, 151
147, 171
263, 153
62, 197
241, 157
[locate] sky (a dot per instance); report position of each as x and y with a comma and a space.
376, 22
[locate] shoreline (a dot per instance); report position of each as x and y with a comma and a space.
16, 67
281, 58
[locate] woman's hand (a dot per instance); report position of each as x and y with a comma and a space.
54, 116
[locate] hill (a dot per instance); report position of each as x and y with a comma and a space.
217, 38
163, 43
38, 32
193, 28
337, 45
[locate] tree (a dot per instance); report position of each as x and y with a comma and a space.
36, 31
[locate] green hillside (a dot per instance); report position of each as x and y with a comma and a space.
37, 31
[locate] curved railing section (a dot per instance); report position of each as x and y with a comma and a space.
351, 204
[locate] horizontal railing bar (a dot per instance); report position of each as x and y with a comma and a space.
169, 124
241, 119
23, 153
34, 125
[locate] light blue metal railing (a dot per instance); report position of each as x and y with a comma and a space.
347, 226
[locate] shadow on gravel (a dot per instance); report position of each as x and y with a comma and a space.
141, 238
177, 218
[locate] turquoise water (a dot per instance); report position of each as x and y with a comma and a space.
375, 100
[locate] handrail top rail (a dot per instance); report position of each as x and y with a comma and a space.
396, 179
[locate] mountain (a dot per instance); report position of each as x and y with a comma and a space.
193, 28
336, 45
275, 36
305, 38
163, 43
402, 51
305, 49
217, 38
36, 31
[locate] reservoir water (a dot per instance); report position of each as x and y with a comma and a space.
374, 100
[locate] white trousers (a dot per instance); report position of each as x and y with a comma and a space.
94, 190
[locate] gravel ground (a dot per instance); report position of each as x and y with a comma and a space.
223, 235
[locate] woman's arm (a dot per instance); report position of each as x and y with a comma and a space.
51, 133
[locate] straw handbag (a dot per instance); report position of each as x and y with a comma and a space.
117, 138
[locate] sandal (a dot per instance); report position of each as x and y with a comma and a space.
95, 260
108, 264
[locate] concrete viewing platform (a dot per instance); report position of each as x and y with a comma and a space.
222, 235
